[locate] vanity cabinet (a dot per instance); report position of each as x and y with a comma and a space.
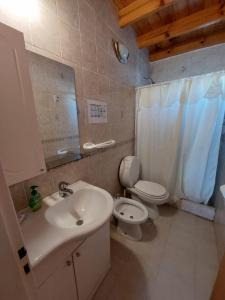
21, 152
78, 276
60, 285
91, 262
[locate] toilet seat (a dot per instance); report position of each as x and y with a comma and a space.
151, 189
150, 196
130, 211
150, 192
148, 199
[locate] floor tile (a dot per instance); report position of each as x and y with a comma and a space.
177, 259
172, 287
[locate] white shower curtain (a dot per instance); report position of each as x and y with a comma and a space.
178, 130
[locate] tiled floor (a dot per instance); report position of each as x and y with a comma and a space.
177, 260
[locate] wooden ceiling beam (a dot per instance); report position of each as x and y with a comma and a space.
200, 19
140, 9
213, 39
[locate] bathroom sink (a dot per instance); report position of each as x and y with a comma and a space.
64, 220
84, 207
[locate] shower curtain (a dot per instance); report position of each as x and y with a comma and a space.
178, 129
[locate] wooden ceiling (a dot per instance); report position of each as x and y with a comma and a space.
171, 27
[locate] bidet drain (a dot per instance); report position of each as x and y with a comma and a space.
79, 222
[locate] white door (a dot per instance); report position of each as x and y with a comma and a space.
21, 152
92, 262
60, 285
14, 282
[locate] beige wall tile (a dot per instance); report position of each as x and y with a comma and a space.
51, 4
88, 51
44, 182
68, 12
70, 43
104, 62
87, 19
45, 31
70, 173
96, 4
103, 36
19, 196
90, 85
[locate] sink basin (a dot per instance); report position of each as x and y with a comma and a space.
83, 208
81, 213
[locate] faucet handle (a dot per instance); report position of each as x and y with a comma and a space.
117, 196
63, 184
64, 190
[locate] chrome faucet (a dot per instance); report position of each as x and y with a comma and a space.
64, 191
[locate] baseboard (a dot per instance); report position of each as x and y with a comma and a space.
201, 210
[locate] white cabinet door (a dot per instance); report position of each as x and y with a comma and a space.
21, 152
60, 285
92, 262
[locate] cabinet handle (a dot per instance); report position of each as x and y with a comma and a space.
77, 254
68, 263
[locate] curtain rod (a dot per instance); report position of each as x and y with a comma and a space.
169, 81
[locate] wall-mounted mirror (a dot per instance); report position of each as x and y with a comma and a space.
55, 101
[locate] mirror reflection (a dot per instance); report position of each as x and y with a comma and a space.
53, 86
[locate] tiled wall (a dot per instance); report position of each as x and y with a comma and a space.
191, 64
79, 33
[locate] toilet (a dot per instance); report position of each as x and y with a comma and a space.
151, 194
130, 214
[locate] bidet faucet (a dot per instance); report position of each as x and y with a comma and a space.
63, 190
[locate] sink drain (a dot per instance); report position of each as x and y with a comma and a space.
79, 222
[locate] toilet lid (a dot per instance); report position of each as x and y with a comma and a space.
151, 188
129, 171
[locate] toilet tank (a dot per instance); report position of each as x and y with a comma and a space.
129, 171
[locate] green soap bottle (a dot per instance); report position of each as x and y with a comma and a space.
35, 198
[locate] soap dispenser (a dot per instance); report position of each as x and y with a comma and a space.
35, 198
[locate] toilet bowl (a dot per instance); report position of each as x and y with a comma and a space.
130, 214
151, 194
